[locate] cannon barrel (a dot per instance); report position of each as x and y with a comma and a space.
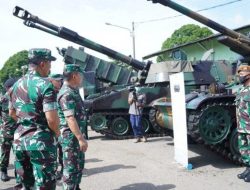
70, 35
208, 22
237, 42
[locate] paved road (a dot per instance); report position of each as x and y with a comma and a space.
124, 165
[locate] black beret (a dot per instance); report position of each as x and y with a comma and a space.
9, 83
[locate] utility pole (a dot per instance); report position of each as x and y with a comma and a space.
131, 31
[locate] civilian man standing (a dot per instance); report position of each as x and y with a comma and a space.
137, 101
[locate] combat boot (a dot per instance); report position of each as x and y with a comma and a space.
247, 178
18, 187
78, 187
244, 174
4, 175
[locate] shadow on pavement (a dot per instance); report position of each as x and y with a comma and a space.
146, 186
155, 139
94, 160
208, 157
92, 171
170, 144
100, 136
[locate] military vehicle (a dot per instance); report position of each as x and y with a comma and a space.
108, 112
108, 104
99, 74
211, 113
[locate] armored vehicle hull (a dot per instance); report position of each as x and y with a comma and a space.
109, 112
211, 117
206, 109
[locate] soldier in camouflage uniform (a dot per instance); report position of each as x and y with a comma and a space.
7, 129
243, 119
57, 81
33, 105
72, 138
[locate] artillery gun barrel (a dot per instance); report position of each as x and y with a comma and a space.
210, 23
70, 35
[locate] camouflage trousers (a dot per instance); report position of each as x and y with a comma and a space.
5, 147
244, 147
73, 161
36, 168
60, 154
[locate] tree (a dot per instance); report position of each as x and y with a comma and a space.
12, 67
187, 33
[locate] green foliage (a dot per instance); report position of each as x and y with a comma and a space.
187, 33
12, 67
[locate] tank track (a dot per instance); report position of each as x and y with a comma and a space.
222, 148
108, 133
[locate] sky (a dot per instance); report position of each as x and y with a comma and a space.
88, 18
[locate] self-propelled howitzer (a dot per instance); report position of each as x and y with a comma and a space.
211, 116
109, 111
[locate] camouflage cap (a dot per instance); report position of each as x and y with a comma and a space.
40, 54
244, 67
56, 76
68, 68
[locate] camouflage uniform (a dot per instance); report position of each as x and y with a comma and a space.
70, 103
34, 143
58, 78
243, 118
7, 129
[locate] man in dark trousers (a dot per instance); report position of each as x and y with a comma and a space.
137, 101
